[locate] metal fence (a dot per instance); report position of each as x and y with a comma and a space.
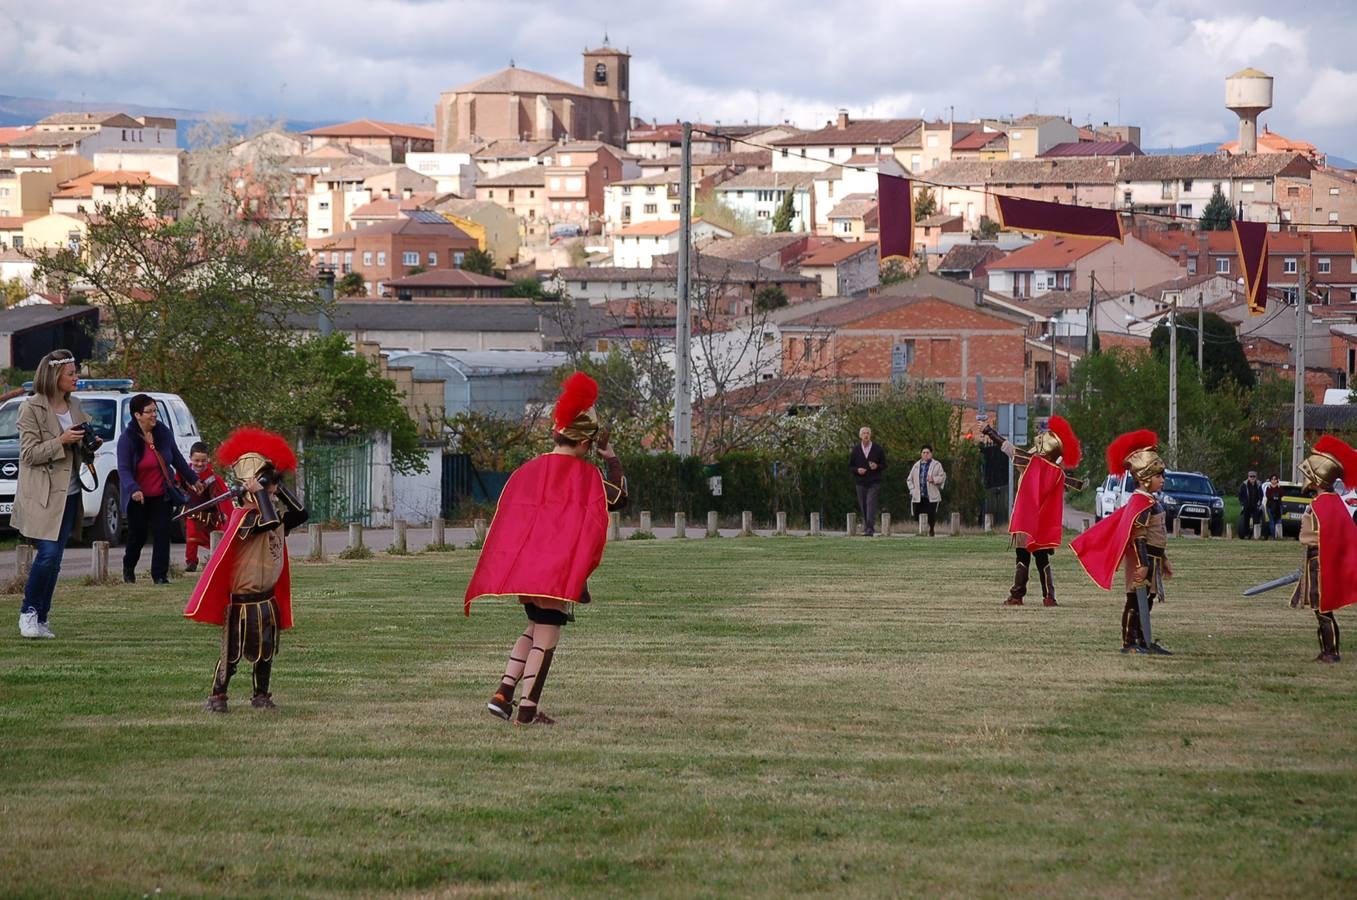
337, 478
462, 481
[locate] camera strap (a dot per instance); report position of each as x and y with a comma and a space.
94, 473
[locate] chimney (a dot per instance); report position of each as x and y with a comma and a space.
842, 123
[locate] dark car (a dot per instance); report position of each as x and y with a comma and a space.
1193, 500
1295, 501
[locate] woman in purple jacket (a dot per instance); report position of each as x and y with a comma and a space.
147, 461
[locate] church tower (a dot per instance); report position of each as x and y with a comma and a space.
607, 75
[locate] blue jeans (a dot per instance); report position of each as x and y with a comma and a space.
42, 578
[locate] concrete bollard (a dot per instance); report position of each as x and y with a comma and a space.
1172, 527
23, 560
781, 524
99, 561
480, 529
1257, 531
886, 524
746, 524
814, 524
923, 529
355, 535
614, 526
989, 522
645, 520
680, 525
955, 524
1229, 531
439, 531
214, 541
316, 536
852, 524
713, 529
398, 540
1087, 524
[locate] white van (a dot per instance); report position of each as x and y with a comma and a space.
106, 402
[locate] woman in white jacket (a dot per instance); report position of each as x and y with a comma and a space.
926, 481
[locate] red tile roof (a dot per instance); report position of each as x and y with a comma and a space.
448, 278
861, 131
833, 254
9, 134
83, 185
1093, 148
977, 140
1047, 253
372, 128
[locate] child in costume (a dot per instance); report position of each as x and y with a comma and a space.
1135, 535
546, 539
198, 527
1038, 519
246, 587
1328, 572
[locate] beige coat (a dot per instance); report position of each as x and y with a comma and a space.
937, 478
45, 466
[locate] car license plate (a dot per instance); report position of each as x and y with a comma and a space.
1293, 517
1194, 511
6, 508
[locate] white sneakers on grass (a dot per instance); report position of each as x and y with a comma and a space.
30, 627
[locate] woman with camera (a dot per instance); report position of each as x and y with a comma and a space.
47, 505
147, 461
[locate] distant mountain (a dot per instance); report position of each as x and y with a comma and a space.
1182, 151
1339, 162
27, 110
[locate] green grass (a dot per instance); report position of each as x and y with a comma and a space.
774, 717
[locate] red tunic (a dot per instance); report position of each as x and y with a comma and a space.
548, 533
1100, 549
212, 593
1337, 552
1039, 505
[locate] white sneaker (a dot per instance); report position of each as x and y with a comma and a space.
44, 631
28, 624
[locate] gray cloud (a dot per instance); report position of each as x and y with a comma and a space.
1160, 65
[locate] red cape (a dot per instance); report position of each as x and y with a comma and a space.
1039, 505
1337, 552
212, 593
548, 533
1100, 549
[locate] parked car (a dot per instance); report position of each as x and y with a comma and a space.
106, 403
1295, 500
1113, 494
1193, 500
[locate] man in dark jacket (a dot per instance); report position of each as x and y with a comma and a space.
867, 462
1250, 505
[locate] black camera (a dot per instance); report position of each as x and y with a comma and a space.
89, 441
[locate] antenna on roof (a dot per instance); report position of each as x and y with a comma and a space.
511, 62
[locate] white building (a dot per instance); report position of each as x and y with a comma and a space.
757, 195
638, 245
452, 173
636, 201
85, 134
1183, 185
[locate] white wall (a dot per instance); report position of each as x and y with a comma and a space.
419, 498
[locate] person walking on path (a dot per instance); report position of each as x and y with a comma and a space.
926, 481
1250, 505
867, 461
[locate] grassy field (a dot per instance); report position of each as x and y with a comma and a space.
738, 717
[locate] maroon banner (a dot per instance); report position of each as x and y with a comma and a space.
1250, 241
895, 206
1058, 218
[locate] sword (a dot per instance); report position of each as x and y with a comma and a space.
1273, 584
1143, 601
235, 492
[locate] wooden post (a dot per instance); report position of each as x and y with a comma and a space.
922, 529
782, 523
989, 522
23, 560
712, 529
956, 524
814, 524
355, 535
680, 525
886, 524
99, 561
614, 526
480, 528
313, 531
439, 531
852, 522
398, 541
746, 524
645, 520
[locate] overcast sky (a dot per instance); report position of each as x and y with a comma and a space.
1159, 65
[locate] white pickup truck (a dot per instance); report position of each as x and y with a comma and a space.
106, 403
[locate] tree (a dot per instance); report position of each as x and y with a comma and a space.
988, 227
1223, 355
526, 287
1218, 214
925, 204
708, 207
482, 262
769, 298
13, 290
895, 269
786, 212
352, 285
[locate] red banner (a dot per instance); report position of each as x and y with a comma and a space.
1250, 240
1058, 218
895, 206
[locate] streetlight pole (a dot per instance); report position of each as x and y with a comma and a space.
1201, 364
1173, 383
683, 394
1054, 325
1298, 398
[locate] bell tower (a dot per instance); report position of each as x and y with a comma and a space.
607, 72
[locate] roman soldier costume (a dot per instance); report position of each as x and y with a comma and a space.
546, 538
1038, 519
1136, 536
246, 587
1328, 572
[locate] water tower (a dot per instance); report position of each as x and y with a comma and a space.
1248, 93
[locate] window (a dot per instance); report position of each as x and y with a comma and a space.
650, 190
1289, 266
1015, 155
1333, 218
1223, 265
367, 257
1324, 266
381, 257
1185, 209
334, 257
1126, 198
1293, 191
763, 214
348, 261
626, 190
915, 162
511, 195
932, 140
1286, 215
846, 227
650, 208
367, 288
410, 258
1166, 190
457, 259
1247, 187
831, 152
433, 258
1064, 281
491, 195
803, 152
674, 208
555, 184
784, 152
805, 348
324, 204
1333, 192
1187, 185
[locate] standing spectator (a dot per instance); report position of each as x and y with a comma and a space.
1250, 505
1272, 505
926, 480
867, 462
198, 527
146, 451
47, 503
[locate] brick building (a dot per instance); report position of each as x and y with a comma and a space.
389, 250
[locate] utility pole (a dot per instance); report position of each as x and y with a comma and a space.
1053, 364
683, 394
1173, 384
1092, 307
1201, 365
1298, 399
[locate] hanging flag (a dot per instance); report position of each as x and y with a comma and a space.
1250, 241
1058, 218
1352, 229
895, 206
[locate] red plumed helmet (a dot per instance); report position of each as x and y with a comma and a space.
1069, 444
1341, 451
1127, 444
271, 446
578, 393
